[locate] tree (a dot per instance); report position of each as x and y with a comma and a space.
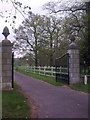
40, 35
28, 35
88, 31
64, 7
52, 32
17, 8
74, 23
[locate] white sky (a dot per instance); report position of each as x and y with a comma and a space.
36, 7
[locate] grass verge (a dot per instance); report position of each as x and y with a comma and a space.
50, 80
79, 87
14, 105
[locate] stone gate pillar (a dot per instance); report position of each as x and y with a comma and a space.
74, 72
6, 61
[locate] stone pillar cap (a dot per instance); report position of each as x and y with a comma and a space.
6, 42
5, 31
73, 46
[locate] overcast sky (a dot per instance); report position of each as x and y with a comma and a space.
36, 7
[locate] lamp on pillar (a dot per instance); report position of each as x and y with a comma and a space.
6, 32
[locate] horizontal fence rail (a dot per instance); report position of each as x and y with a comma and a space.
46, 71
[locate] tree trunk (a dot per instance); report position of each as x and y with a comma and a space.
51, 51
35, 35
36, 62
88, 29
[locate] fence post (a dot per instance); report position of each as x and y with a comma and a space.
30, 68
44, 70
52, 71
34, 69
39, 70
60, 69
74, 68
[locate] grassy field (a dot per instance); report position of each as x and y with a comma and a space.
14, 105
79, 87
50, 80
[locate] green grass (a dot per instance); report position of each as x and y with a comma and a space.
50, 80
14, 105
81, 87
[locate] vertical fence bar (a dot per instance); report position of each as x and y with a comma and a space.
60, 69
61, 64
39, 70
52, 71
56, 69
30, 68
34, 69
44, 69
68, 66
13, 70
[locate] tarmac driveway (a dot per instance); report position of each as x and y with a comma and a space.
53, 102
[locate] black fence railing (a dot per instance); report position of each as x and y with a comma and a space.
13, 70
62, 62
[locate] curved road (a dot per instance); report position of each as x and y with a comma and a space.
53, 102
